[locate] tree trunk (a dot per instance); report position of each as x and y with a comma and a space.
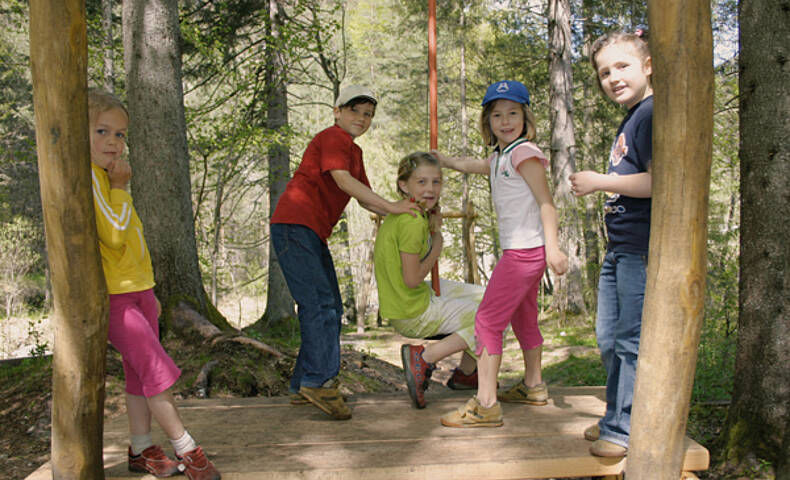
590, 219
759, 417
346, 278
159, 154
218, 226
59, 72
279, 303
109, 73
568, 289
367, 279
682, 55
468, 223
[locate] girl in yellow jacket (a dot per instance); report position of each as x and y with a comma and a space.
134, 309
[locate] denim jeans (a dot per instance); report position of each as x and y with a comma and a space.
621, 293
310, 274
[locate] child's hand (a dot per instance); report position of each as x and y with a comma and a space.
444, 160
557, 260
119, 172
158, 307
405, 205
584, 182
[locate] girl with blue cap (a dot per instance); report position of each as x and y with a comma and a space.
528, 235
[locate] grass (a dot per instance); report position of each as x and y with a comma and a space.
576, 371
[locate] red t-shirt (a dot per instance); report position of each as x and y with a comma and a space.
312, 198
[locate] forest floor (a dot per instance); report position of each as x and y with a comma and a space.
370, 363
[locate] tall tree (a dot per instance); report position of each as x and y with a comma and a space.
759, 416
568, 289
158, 152
279, 303
109, 54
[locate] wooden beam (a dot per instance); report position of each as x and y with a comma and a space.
682, 53
59, 58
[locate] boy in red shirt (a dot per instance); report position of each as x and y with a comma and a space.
330, 174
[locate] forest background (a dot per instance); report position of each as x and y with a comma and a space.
257, 80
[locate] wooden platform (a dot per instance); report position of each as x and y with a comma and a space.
268, 439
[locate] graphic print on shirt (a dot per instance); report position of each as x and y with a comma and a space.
619, 151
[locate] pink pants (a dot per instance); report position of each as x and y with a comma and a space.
134, 331
511, 298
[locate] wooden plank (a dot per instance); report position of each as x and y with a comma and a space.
256, 438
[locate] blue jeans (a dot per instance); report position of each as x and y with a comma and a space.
310, 274
621, 293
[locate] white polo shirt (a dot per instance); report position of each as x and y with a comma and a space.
518, 213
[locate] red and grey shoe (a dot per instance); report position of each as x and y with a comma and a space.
417, 371
154, 461
461, 381
196, 466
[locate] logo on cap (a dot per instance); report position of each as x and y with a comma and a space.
502, 87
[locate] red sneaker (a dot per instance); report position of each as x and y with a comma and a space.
196, 466
462, 381
154, 461
417, 371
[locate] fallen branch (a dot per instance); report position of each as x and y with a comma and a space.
249, 341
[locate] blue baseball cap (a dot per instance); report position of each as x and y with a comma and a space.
507, 89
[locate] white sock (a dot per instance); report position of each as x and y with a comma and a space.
184, 444
140, 443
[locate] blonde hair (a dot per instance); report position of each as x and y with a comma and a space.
489, 138
637, 40
410, 163
100, 101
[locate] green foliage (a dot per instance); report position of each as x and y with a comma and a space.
17, 258
284, 334
29, 371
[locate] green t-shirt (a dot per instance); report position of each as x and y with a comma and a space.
400, 233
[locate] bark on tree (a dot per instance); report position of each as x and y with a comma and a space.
682, 55
279, 303
59, 72
568, 289
759, 417
158, 152
590, 217
366, 282
468, 223
109, 71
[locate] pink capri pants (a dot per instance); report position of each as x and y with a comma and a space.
134, 331
511, 298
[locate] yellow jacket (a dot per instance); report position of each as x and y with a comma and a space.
124, 253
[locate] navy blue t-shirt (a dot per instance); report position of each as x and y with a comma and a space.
627, 218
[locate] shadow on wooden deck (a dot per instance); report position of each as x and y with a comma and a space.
387, 439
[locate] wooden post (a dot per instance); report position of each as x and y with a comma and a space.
434, 108
682, 52
59, 57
